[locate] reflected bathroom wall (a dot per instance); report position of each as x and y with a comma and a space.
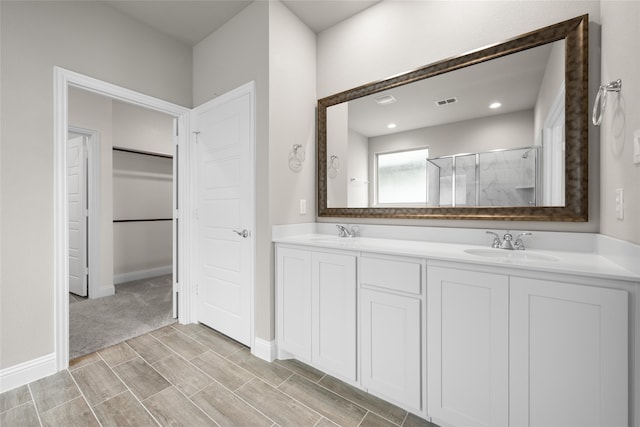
496, 178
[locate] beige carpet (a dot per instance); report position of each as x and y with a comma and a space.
136, 308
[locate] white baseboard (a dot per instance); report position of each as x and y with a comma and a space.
103, 291
141, 274
284, 355
26, 372
265, 350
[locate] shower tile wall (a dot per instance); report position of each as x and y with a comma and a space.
507, 178
466, 180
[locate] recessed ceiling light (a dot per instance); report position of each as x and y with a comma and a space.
495, 105
385, 99
391, 125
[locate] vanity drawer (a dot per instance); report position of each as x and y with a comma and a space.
400, 274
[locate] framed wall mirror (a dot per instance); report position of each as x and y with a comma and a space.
498, 133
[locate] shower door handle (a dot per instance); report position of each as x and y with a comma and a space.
243, 233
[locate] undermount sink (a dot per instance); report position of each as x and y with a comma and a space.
332, 239
507, 255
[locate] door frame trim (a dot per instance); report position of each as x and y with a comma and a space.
62, 80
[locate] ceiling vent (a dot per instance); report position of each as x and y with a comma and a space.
446, 101
385, 99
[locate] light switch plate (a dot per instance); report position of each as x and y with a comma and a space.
636, 146
303, 206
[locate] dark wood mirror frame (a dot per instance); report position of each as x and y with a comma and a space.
575, 32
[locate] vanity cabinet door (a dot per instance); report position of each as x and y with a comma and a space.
467, 347
569, 355
391, 347
333, 313
293, 300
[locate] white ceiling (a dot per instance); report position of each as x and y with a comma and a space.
191, 21
322, 14
513, 80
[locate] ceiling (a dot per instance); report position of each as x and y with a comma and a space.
513, 80
192, 21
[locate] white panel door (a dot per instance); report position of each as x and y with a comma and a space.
333, 313
467, 347
224, 134
77, 200
569, 355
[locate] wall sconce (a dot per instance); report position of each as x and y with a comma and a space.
333, 166
296, 157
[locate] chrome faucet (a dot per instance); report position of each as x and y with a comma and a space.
507, 241
347, 231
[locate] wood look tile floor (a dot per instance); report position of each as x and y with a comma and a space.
190, 375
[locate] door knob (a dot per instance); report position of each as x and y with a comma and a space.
244, 233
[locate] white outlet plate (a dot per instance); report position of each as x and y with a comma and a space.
636, 146
303, 206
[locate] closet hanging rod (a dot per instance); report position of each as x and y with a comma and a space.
144, 153
143, 220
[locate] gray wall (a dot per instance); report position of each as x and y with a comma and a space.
142, 189
620, 59
267, 43
365, 48
92, 39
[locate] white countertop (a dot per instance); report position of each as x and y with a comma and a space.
566, 262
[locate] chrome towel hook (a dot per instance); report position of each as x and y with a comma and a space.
601, 100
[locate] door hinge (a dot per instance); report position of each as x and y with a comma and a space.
197, 289
196, 133
177, 305
195, 213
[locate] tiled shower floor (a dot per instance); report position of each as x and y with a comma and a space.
192, 376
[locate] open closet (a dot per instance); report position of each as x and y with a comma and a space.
130, 247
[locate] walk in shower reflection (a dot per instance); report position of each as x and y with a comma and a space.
496, 178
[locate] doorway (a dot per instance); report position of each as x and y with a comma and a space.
185, 230
63, 81
131, 292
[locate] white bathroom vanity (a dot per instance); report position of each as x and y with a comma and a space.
461, 333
